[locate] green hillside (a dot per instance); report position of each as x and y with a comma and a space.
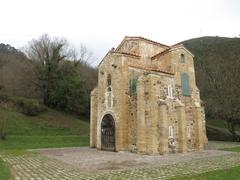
48, 129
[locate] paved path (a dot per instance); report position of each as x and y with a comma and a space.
36, 166
92, 160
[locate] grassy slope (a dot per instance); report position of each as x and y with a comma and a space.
50, 129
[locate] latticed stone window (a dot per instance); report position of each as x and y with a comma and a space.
186, 89
133, 86
170, 91
170, 132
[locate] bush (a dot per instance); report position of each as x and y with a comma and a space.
3, 98
30, 107
3, 134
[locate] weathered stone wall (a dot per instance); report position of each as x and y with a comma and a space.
111, 66
93, 118
131, 47
142, 120
164, 61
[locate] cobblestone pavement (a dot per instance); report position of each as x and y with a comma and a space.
36, 166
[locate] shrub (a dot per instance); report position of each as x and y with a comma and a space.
3, 134
30, 107
3, 98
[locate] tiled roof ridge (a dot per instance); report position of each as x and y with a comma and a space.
149, 40
177, 45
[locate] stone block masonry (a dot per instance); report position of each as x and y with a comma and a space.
147, 101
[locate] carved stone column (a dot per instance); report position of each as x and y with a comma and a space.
163, 127
141, 128
93, 118
199, 127
182, 135
154, 127
205, 139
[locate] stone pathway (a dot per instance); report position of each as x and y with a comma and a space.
92, 160
36, 166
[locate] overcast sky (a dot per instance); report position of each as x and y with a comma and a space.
102, 24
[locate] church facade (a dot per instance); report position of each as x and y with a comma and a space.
146, 100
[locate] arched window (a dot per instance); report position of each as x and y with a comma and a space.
109, 80
170, 91
170, 132
182, 58
186, 89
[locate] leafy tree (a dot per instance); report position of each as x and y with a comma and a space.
70, 94
56, 74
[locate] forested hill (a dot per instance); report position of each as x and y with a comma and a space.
8, 49
213, 53
217, 67
211, 47
48, 63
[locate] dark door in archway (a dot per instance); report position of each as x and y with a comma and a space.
108, 133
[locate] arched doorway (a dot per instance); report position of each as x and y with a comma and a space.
108, 133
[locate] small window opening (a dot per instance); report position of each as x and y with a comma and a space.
188, 132
170, 91
182, 58
170, 132
109, 89
109, 80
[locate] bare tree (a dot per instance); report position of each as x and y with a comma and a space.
220, 84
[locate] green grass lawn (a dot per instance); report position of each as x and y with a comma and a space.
4, 171
51, 129
33, 142
48, 123
234, 149
225, 174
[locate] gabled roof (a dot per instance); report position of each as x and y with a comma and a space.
160, 54
172, 48
140, 38
181, 46
112, 51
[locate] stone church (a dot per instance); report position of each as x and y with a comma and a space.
146, 100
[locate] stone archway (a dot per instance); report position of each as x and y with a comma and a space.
108, 133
